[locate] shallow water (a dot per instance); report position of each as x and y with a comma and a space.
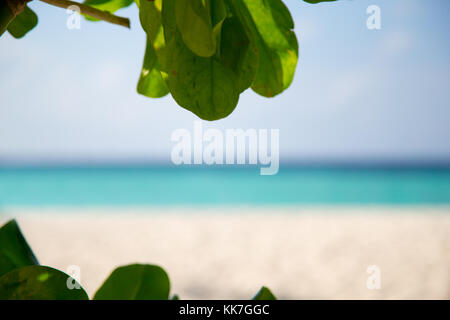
221, 186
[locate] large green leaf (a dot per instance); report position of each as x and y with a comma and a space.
193, 19
151, 82
264, 294
150, 18
14, 249
38, 283
135, 282
204, 86
23, 23
218, 14
107, 5
238, 52
272, 24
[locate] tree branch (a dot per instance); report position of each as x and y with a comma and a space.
90, 11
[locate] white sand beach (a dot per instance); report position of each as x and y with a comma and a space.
300, 253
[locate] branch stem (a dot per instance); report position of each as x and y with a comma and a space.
90, 11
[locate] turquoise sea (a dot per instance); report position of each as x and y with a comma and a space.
146, 186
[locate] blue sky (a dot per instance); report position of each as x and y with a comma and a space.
358, 94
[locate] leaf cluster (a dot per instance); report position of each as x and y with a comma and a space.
22, 278
205, 53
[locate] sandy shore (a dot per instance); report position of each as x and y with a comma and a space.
299, 253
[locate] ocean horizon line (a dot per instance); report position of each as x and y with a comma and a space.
289, 165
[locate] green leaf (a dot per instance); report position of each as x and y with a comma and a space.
238, 52
23, 23
271, 24
107, 5
150, 18
14, 249
218, 12
193, 19
218, 15
135, 282
152, 82
205, 86
38, 283
175, 297
264, 294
